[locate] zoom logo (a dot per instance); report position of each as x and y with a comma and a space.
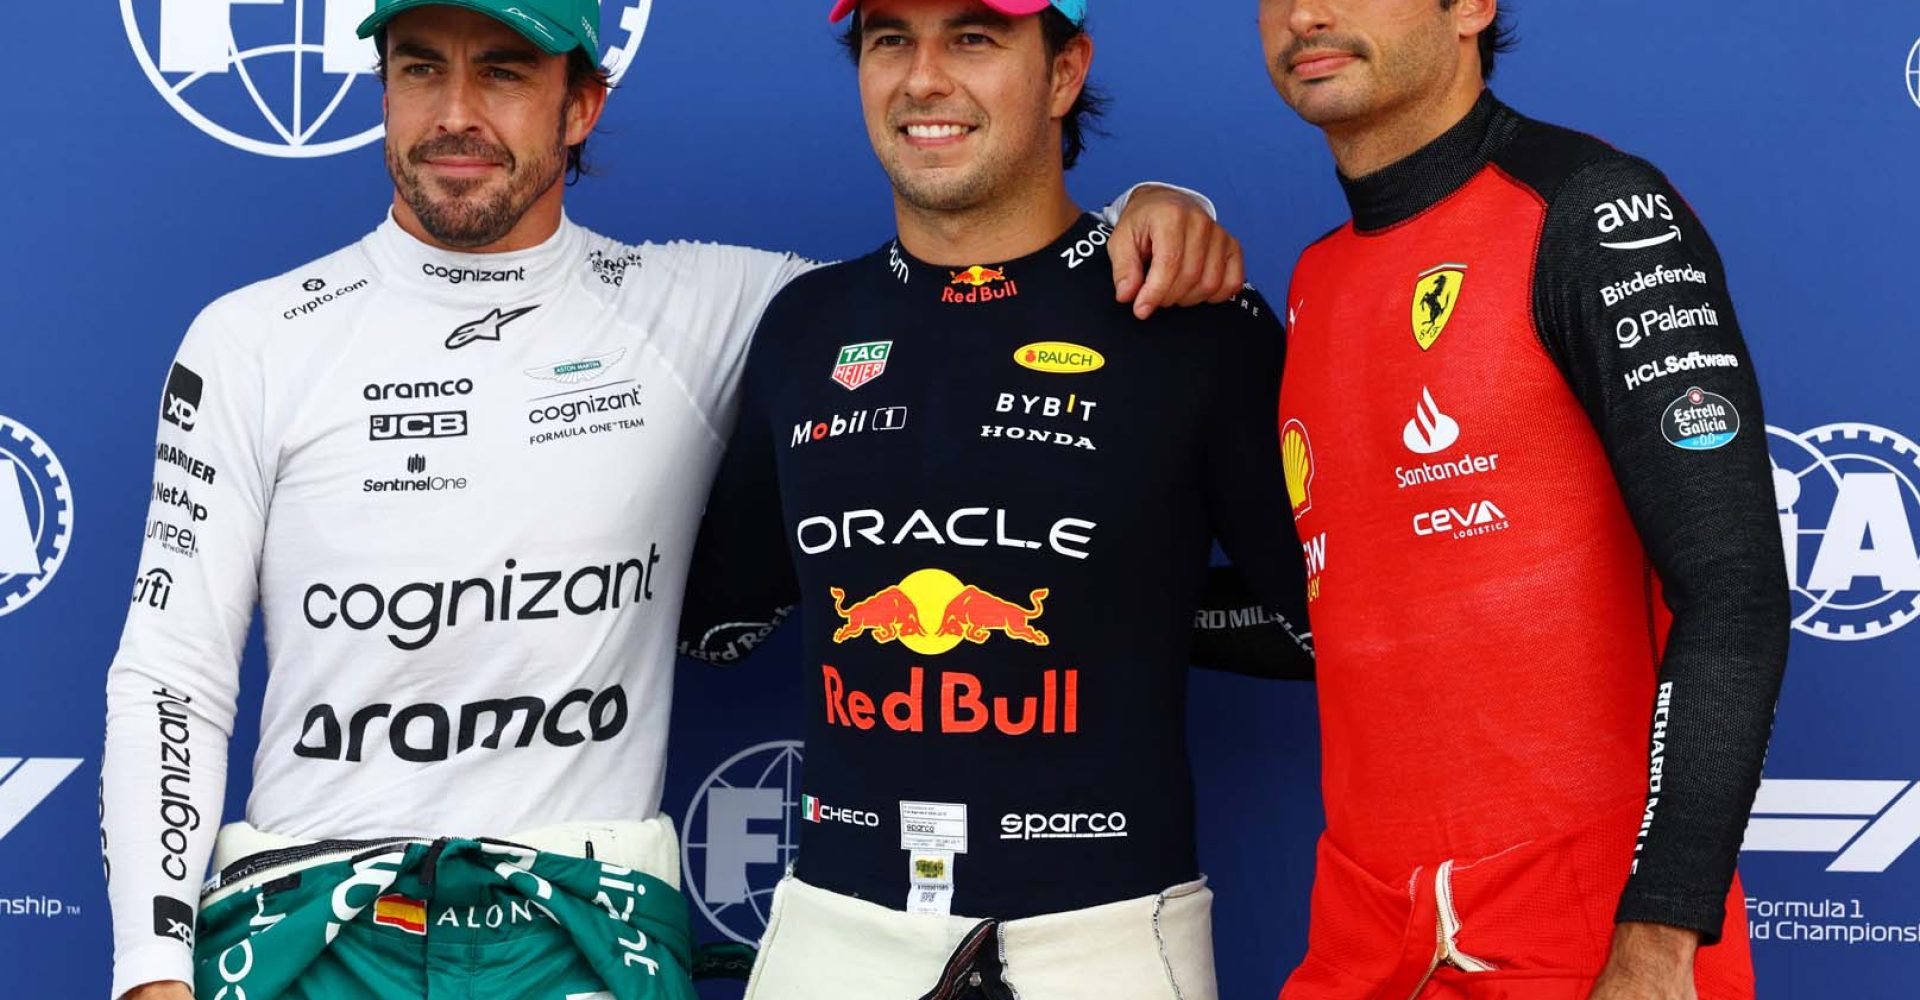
415, 426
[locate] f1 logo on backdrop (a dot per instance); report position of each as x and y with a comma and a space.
1867, 825
280, 77
741, 830
25, 783
36, 515
1849, 499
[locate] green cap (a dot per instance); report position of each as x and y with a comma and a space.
557, 26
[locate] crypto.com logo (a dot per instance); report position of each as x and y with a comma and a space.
24, 784
1868, 824
284, 78
36, 515
1849, 497
741, 831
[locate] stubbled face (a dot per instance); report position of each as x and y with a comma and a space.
478, 122
962, 103
1339, 62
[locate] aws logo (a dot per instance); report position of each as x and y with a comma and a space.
965, 613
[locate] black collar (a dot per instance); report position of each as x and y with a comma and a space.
1399, 191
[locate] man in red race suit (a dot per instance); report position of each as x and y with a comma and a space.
1526, 455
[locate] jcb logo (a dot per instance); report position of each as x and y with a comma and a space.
412, 426
1867, 824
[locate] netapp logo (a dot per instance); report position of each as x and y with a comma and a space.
1063, 826
417, 612
424, 733
181, 497
462, 275
413, 426
381, 391
182, 408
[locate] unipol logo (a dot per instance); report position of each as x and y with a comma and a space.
1865, 825
285, 78
1849, 497
36, 515
740, 834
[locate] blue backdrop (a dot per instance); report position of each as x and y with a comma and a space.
205, 144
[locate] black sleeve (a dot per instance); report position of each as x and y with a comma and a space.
1253, 619
1631, 301
742, 583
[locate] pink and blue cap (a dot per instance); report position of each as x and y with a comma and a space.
1075, 10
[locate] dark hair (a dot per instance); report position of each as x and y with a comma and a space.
1081, 120
582, 71
1497, 38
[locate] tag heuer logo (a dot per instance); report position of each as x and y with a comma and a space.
862, 363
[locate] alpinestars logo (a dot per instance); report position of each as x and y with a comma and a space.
487, 327
36, 515
26, 782
1849, 497
1866, 825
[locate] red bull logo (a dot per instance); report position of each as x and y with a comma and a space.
965, 613
979, 282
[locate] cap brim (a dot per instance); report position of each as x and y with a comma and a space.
550, 37
1015, 8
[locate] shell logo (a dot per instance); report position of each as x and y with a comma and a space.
1296, 452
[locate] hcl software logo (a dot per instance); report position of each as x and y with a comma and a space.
283, 77
36, 515
740, 833
1849, 499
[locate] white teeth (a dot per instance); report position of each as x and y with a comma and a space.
937, 131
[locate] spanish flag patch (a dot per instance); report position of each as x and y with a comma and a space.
409, 915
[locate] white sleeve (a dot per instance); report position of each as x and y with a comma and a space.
172, 686
735, 286
1112, 213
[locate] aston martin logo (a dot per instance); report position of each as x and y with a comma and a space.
577, 371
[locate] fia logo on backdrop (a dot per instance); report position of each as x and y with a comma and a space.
739, 835
285, 78
1848, 496
36, 515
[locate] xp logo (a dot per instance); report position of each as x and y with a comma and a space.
285, 79
1868, 825
1848, 497
36, 518
24, 784
740, 837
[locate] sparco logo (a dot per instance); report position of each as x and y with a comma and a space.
431, 732
462, 275
416, 612
178, 815
1062, 826
1866, 825
412, 426
1849, 498
376, 392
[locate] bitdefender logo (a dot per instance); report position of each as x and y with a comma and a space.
288, 79
36, 515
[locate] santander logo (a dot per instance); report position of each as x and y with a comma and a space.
1430, 430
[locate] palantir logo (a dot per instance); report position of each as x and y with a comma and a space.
740, 834
36, 515
280, 78
1867, 825
1849, 497
24, 784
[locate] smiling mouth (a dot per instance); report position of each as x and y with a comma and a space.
942, 131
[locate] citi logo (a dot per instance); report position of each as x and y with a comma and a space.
26, 782
1430, 430
1480, 518
1865, 825
154, 588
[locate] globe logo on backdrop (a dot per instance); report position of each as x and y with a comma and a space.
740, 831
1913, 73
1848, 496
284, 78
36, 515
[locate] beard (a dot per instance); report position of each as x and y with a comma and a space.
470, 213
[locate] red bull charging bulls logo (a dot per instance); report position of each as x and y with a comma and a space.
931, 612
980, 284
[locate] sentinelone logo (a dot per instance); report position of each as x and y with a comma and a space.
36, 515
284, 79
741, 831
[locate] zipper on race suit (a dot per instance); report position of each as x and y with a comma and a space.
1446, 929
254, 864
